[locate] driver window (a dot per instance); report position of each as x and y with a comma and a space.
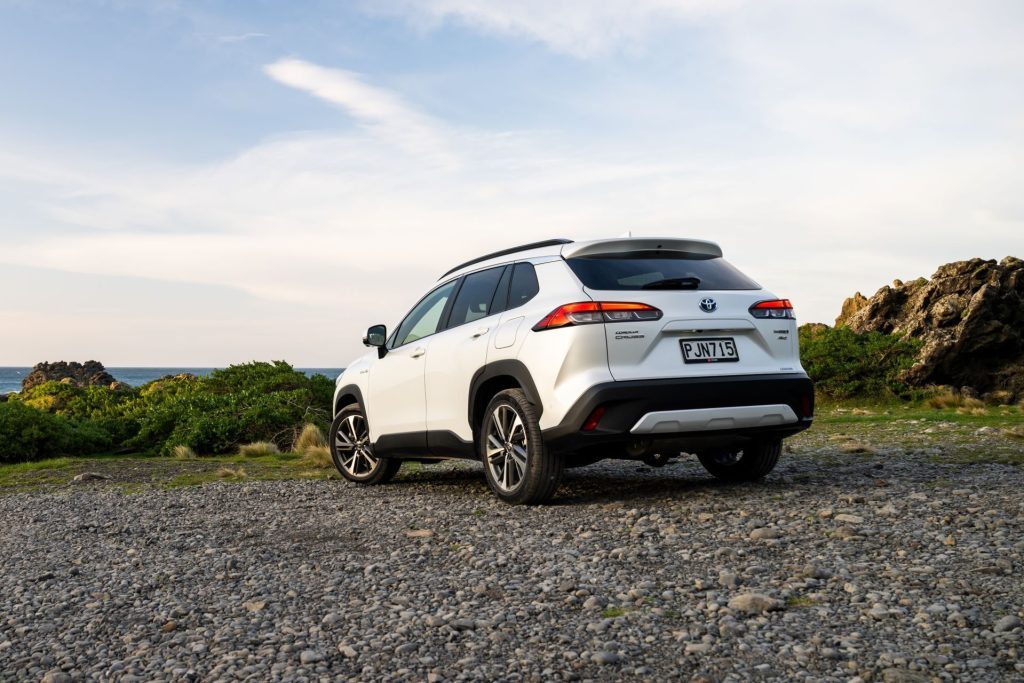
423, 320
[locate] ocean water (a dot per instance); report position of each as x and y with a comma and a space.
10, 378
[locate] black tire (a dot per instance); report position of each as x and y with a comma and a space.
520, 470
751, 463
352, 452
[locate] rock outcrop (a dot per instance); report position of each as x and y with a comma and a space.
88, 374
970, 317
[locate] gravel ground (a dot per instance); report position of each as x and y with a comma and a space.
835, 568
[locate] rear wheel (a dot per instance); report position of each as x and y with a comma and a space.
352, 451
754, 461
518, 467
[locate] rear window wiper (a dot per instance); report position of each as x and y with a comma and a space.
674, 283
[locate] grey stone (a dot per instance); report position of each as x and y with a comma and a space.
1007, 623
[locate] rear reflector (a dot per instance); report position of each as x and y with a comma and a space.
595, 417
776, 308
590, 312
807, 404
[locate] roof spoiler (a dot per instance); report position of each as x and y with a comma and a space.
646, 244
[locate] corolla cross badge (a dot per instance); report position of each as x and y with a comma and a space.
708, 305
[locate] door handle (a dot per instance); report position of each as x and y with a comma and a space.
481, 332
417, 352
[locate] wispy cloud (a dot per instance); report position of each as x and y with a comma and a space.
242, 37
382, 112
865, 153
583, 28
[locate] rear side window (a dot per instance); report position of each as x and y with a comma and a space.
658, 270
500, 301
524, 285
474, 298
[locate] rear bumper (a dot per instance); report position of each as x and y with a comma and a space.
706, 410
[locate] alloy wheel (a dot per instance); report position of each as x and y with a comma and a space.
506, 448
352, 443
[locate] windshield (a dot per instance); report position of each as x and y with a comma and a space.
661, 270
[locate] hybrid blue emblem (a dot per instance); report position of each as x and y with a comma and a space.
708, 305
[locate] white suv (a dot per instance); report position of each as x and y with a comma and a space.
559, 354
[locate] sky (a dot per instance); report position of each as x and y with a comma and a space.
202, 183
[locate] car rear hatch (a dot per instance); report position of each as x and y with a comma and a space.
706, 327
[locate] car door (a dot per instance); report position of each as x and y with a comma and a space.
458, 352
395, 401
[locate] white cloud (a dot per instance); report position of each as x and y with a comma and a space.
892, 143
380, 111
583, 28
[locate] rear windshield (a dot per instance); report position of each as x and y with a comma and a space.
658, 270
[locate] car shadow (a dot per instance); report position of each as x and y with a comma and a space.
602, 483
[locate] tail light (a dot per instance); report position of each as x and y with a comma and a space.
776, 308
590, 312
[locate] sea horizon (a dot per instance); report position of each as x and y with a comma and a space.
136, 375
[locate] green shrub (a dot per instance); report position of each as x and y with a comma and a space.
846, 364
28, 433
215, 414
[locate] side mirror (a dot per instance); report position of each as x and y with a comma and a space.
377, 336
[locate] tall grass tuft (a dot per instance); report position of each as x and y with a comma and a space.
232, 473
318, 457
183, 452
948, 400
309, 438
258, 448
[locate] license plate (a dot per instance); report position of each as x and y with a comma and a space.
707, 350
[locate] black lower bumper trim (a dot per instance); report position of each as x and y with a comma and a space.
626, 402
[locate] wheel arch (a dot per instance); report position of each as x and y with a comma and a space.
347, 395
495, 377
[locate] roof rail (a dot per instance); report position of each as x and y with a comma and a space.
505, 252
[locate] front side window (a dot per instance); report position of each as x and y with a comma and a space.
425, 317
475, 297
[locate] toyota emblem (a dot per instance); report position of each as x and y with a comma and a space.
708, 305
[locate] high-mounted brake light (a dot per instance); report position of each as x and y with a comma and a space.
776, 308
590, 312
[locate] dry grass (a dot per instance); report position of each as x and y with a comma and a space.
1014, 432
311, 437
258, 448
948, 399
232, 473
977, 412
856, 447
184, 453
318, 457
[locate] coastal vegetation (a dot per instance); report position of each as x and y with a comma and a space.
260, 410
217, 414
845, 364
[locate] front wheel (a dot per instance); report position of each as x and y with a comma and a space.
352, 451
518, 467
753, 462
